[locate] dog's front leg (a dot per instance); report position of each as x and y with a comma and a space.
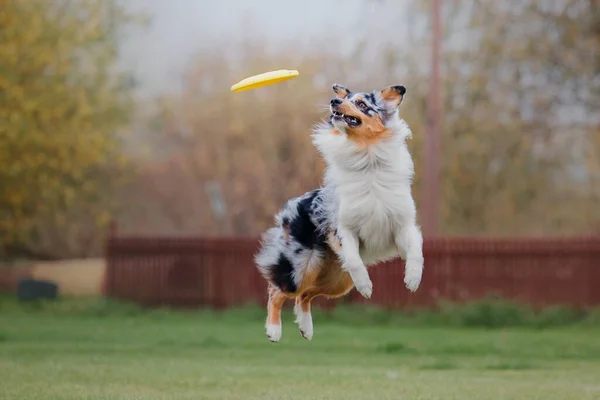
410, 244
352, 262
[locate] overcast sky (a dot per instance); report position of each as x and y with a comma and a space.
178, 28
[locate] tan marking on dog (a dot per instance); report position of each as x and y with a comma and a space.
333, 281
390, 94
286, 233
370, 131
334, 242
305, 304
327, 279
304, 301
276, 300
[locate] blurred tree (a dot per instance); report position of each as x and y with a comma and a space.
255, 146
521, 99
520, 131
62, 104
520, 116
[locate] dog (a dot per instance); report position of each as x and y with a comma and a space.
363, 214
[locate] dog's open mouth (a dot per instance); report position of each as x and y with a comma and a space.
348, 119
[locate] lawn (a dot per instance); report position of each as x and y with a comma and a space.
96, 352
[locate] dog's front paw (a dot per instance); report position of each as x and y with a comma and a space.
365, 288
360, 278
363, 284
413, 273
273, 332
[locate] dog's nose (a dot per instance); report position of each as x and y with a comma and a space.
336, 102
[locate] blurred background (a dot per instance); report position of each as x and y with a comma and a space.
122, 111
129, 171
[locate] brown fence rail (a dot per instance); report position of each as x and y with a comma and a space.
220, 273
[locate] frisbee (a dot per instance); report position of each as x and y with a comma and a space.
264, 79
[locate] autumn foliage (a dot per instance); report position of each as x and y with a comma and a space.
61, 108
520, 143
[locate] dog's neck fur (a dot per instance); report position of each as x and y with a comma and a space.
368, 188
340, 151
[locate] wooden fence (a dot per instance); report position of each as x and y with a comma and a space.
194, 272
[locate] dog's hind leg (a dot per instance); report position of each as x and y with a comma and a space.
273, 324
303, 315
410, 243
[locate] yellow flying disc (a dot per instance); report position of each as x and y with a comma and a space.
267, 78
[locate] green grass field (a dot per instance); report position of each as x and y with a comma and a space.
94, 350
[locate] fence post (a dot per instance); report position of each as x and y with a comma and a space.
107, 281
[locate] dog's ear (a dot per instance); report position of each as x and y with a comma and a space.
340, 91
392, 96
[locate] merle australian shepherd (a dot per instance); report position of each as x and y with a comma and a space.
323, 241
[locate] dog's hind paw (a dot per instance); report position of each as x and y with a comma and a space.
273, 332
305, 325
413, 274
304, 321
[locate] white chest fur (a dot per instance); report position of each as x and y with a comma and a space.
371, 189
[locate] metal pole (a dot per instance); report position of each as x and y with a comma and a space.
432, 144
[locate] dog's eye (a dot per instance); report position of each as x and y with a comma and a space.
362, 105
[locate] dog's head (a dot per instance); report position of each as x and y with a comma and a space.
365, 117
